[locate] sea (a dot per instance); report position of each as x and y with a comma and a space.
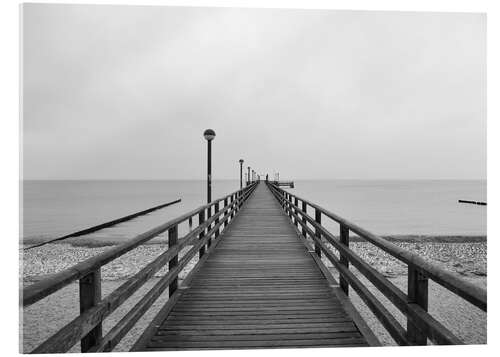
397, 208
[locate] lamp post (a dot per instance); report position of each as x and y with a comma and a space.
248, 182
209, 135
241, 174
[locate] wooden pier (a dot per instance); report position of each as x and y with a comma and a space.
259, 283
259, 288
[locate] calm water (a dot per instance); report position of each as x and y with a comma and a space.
55, 208
403, 207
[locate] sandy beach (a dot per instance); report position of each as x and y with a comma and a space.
47, 316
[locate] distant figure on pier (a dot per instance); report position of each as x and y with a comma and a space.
267, 177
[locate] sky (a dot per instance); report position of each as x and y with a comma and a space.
125, 92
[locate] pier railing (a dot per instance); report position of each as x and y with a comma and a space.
413, 304
87, 327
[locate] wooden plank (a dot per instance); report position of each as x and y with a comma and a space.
262, 343
257, 337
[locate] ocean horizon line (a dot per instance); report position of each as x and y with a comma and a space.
237, 179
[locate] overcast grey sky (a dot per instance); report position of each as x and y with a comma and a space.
125, 92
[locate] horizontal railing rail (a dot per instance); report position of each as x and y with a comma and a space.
413, 304
87, 327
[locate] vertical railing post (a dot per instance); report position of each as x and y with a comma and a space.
288, 203
225, 206
172, 241
296, 203
344, 239
190, 223
90, 296
418, 288
217, 231
317, 232
304, 220
201, 219
210, 226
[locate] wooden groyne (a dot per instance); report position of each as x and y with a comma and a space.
101, 226
473, 202
259, 282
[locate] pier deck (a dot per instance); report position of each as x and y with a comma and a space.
260, 288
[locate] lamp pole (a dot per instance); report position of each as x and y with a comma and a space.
248, 182
241, 174
209, 135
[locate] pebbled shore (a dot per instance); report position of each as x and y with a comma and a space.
467, 259
41, 262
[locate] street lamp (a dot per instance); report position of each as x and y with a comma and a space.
248, 182
241, 173
209, 135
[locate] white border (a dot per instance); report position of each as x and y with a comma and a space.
9, 141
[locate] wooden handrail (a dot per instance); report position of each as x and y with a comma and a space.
421, 325
45, 287
452, 282
87, 326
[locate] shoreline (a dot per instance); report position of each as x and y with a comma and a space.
464, 258
407, 238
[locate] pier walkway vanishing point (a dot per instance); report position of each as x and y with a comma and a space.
259, 283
